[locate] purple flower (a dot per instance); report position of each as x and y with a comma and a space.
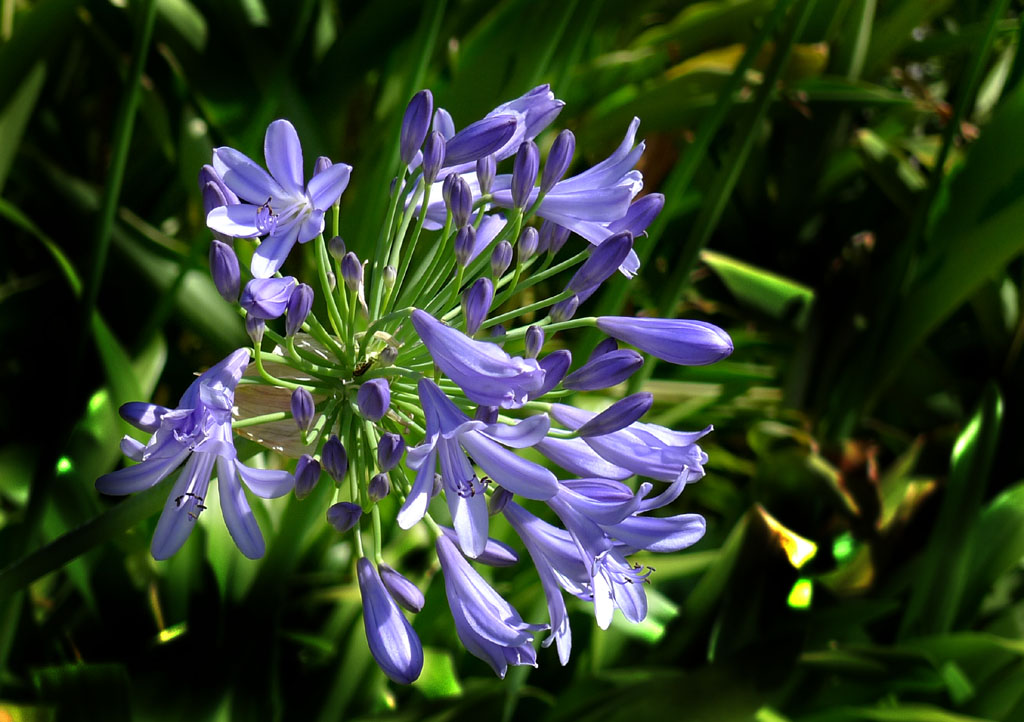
303, 408
300, 303
225, 271
415, 124
688, 343
575, 455
379, 487
450, 435
534, 341
490, 628
433, 156
604, 371
601, 264
524, 173
484, 137
645, 449
374, 399
344, 515
527, 243
334, 458
617, 416
307, 474
267, 298
407, 594
555, 364
476, 303
389, 451
485, 373
197, 433
501, 258
558, 160
278, 206
465, 244
495, 553
391, 638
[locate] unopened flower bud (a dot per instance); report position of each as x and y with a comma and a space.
498, 334
603, 347
255, 328
407, 594
267, 298
307, 474
387, 356
460, 202
389, 451
618, 416
534, 341
344, 515
390, 276
687, 343
552, 237
487, 414
303, 408
446, 187
465, 242
641, 213
604, 260
501, 259
299, 305
224, 269
322, 164
334, 459
499, 499
524, 173
433, 156
415, 124
527, 243
352, 271
478, 139
476, 303
555, 364
374, 399
332, 280
564, 310
604, 371
336, 247
443, 123
486, 167
379, 487
558, 160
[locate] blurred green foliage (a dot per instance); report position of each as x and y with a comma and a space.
845, 194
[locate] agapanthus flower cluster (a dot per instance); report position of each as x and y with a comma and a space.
406, 373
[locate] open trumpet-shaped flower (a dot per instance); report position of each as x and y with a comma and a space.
278, 205
450, 434
489, 627
197, 433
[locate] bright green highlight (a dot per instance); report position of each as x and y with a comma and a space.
801, 594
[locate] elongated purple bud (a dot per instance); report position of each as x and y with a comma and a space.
534, 341
478, 139
303, 408
486, 167
564, 310
227, 276
267, 298
415, 124
389, 451
552, 237
476, 303
433, 156
307, 474
322, 164
344, 515
299, 305
527, 243
641, 214
334, 459
687, 343
460, 201
465, 242
558, 160
495, 553
603, 262
255, 328
446, 188
391, 639
379, 487
443, 123
336, 247
524, 173
374, 399
618, 416
501, 259
499, 500
606, 346
555, 364
407, 594
221, 194
352, 271
604, 371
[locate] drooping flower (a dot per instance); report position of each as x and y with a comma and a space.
197, 433
489, 627
278, 206
393, 643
